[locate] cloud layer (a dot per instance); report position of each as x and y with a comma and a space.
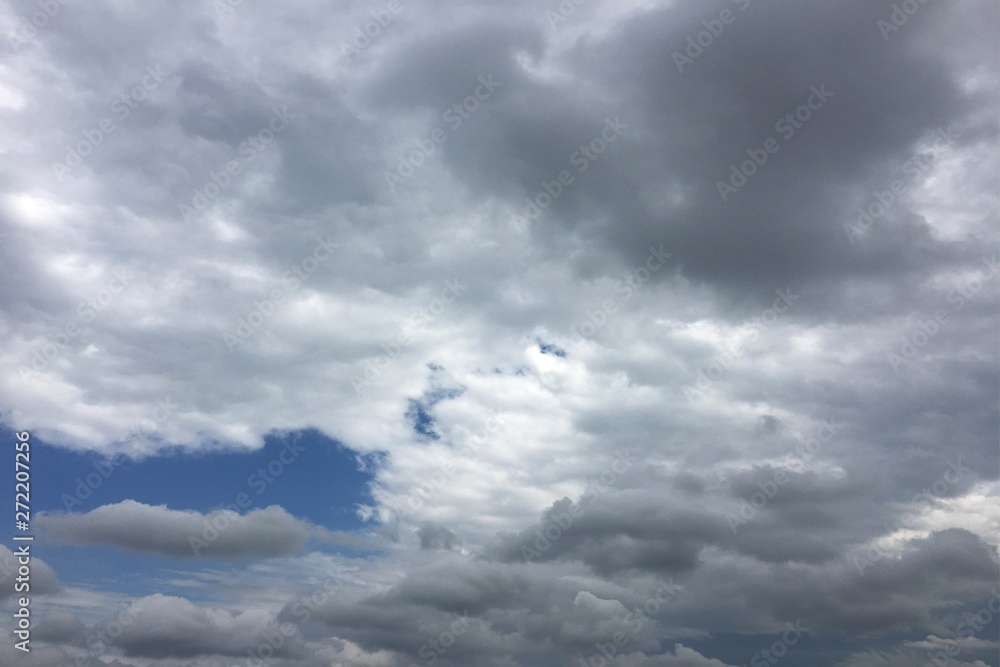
626, 301
266, 532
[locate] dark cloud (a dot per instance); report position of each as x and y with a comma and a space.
169, 627
437, 538
261, 533
60, 627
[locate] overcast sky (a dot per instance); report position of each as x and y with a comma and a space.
504, 333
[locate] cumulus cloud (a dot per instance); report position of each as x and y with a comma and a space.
60, 627
682, 656
170, 627
260, 533
42, 578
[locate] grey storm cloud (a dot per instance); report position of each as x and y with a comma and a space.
169, 627
768, 65
437, 537
131, 525
60, 627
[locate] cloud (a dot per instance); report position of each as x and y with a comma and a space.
42, 578
843, 276
60, 627
170, 627
437, 537
261, 533
682, 656
39, 656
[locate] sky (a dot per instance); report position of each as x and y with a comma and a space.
644, 333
